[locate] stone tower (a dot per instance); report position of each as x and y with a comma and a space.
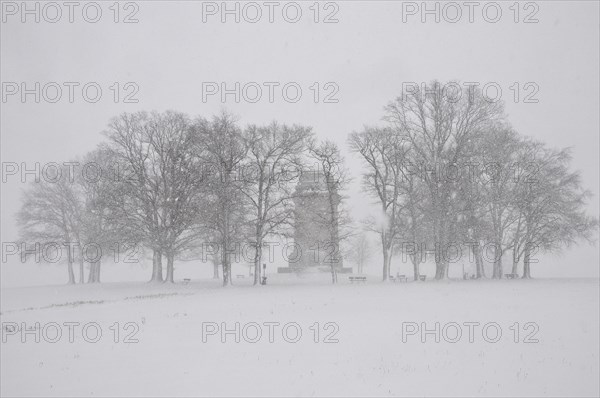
316, 236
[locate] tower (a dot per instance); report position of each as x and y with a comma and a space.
316, 235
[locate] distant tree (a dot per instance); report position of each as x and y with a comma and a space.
473, 226
102, 192
499, 157
49, 216
130, 138
215, 262
384, 153
273, 161
335, 178
162, 176
183, 186
551, 203
223, 149
360, 251
412, 221
439, 127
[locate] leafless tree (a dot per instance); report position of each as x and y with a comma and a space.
361, 251
183, 188
274, 161
551, 202
334, 175
49, 216
499, 159
384, 153
223, 150
439, 127
100, 191
157, 167
412, 221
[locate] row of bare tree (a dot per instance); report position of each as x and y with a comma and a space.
450, 171
444, 171
168, 183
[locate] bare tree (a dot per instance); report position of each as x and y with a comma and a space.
162, 173
48, 215
361, 251
439, 126
473, 227
412, 223
334, 176
384, 153
499, 158
274, 158
130, 137
183, 188
551, 203
223, 150
102, 192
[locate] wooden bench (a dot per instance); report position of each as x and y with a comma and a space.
511, 276
398, 278
353, 279
240, 276
422, 278
186, 281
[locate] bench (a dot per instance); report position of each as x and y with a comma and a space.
422, 278
240, 276
186, 281
399, 278
511, 276
357, 279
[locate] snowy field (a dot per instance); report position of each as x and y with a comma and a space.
358, 350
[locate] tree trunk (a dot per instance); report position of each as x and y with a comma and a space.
515, 267
526, 260
389, 262
225, 240
497, 274
92, 273
516, 247
71, 273
482, 263
440, 254
479, 272
156, 266
440, 267
170, 267
81, 266
440, 237
226, 264
416, 273
226, 276
215, 270
385, 264
97, 274
257, 259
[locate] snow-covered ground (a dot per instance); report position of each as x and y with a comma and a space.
359, 349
